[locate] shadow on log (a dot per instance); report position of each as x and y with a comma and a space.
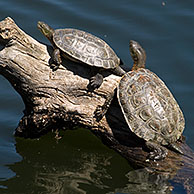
59, 99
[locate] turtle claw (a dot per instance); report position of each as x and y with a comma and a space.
101, 110
54, 67
98, 113
157, 152
95, 81
56, 60
157, 155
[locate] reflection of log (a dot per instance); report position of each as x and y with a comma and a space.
54, 100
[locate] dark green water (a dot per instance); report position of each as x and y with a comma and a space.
79, 163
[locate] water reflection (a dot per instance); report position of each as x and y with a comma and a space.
139, 181
78, 164
75, 180
143, 181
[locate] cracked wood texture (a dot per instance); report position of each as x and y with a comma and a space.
60, 99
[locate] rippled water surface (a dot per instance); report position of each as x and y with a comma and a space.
79, 163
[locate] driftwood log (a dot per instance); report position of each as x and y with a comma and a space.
60, 99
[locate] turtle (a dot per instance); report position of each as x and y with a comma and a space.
149, 108
83, 47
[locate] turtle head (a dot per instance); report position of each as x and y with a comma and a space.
138, 54
46, 30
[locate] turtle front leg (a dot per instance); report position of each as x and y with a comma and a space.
95, 81
101, 110
57, 61
157, 152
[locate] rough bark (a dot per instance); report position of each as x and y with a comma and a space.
60, 99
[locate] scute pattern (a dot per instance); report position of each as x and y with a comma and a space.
149, 108
86, 48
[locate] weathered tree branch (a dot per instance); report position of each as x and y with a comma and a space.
54, 100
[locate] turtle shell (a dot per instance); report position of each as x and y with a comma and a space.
149, 108
86, 48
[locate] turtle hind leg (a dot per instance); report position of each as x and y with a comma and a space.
95, 82
56, 59
157, 152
